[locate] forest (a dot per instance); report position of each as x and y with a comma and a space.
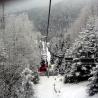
71, 48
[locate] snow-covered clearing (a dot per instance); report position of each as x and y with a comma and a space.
53, 87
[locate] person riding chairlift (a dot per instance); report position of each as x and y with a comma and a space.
43, 67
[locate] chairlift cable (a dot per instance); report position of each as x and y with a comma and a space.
48, 33
3, 16
48, 21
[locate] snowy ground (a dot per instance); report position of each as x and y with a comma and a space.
53, 87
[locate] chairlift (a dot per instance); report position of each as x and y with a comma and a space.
68, 59
96, 55
96, 60
87, 59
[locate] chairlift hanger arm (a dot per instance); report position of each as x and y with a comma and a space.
48, 21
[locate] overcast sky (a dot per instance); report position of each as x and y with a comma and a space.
20, 5
27, 4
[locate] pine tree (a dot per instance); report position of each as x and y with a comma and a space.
84, 50
93, 86
58, 48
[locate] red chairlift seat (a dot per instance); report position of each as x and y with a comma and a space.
43, 67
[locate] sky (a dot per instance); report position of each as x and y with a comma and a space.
19, 5
27, 4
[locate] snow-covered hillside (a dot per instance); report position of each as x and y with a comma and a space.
53, 87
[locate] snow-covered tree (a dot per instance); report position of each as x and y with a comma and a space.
58, 47
83, 53
22, 39
93, 86
18, 50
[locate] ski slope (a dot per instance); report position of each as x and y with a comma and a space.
53, 87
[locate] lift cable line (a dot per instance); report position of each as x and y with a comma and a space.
44, 43
3, 30
3, 17
48, 32
48, 21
